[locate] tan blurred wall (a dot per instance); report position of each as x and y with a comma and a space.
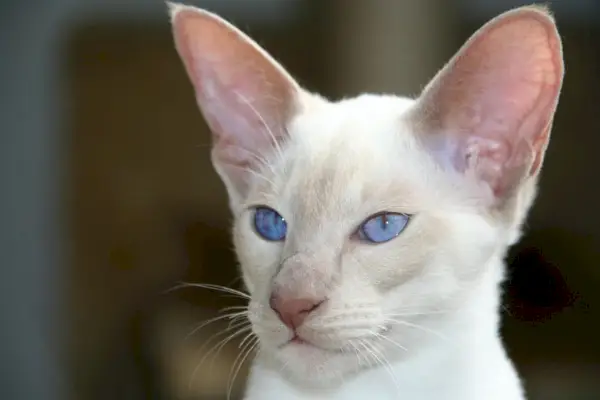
390, 46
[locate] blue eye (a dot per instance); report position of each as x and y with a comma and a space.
382, 227
269, 224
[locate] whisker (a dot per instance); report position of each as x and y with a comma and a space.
232, 308
358, 355
421, 328
383, 362
209, 286
245, 352
242, 330
241, 326
384, 337
249, 336
417, 314
212, 320
237, 324
369, 352
235, 320
219, 345
325, 328
234, 280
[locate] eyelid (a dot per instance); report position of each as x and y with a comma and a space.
250, 207
380, 213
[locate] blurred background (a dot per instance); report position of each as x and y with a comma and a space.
108, 197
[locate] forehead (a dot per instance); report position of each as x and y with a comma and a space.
356, 155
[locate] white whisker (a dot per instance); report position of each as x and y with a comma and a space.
245, 352
421, 328
384, 337
237, 318
210, 286
217, 347
233, 308
383, 362
223, 344
358, 355
212, 320
418, 313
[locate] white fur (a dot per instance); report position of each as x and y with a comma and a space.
416, 318
443, 272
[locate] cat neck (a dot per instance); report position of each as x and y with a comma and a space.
466, 361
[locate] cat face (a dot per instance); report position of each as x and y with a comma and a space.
363, 224
339, 169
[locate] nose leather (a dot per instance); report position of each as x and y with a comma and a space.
293, 311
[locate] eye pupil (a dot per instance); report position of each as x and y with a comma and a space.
383, 227
269, 224
384, 221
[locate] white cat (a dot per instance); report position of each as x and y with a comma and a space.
371, 231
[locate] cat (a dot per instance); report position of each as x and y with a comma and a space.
371, 231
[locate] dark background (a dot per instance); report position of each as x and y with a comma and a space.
109, 198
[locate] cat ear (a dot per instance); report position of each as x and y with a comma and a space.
488, 113
245, 96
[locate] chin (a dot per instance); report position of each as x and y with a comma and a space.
315, 366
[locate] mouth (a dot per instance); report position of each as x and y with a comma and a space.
298, 342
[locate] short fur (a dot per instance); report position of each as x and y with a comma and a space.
418, 317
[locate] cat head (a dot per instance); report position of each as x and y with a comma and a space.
359, 222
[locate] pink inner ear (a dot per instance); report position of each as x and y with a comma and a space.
245, 96
239, 130
497, 97
503, 76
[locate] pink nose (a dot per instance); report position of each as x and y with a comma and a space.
293, 311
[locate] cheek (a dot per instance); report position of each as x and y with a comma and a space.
395, 263
467, 246
258, 258
432, 261
454, 261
